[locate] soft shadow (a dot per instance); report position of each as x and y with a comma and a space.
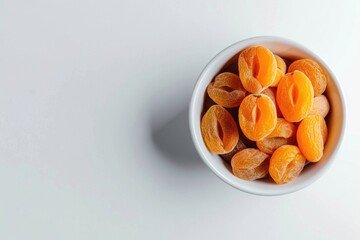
173, 140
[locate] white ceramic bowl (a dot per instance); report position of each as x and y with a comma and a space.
336, 120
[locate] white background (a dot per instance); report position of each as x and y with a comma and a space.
94, 139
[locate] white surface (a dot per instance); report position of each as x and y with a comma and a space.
94, 139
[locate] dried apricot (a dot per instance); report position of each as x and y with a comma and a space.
283, 129
321, 106
283, 134
257, 116
271, 93
219, 130
311, 137
250, 164
286, 163
313, 71
226, 90
257, 68
280, 70
269, 145
295, 96
228, 156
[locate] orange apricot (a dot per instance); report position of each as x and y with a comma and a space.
311, 137
280, 70
219, 130
295, 96
313, 71
269, 145
226, 90
321, 106
257, 116
257, 68
271, 93
250, 164
283, 129
283, 134
286, 163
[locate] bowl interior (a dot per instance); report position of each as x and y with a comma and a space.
335, 119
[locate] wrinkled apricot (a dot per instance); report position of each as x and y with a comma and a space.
250, 164
257, 68
283, 134
313, 71
271, 93
311, 137
295, 96
257, 116
269, 145
321, 106
286, 163
226, 90
280, 70
219, 130
228, 156
283, 129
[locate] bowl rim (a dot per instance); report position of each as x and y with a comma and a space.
234, 49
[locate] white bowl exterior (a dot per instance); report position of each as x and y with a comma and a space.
336, 124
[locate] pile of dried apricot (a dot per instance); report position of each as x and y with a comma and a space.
264, 118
